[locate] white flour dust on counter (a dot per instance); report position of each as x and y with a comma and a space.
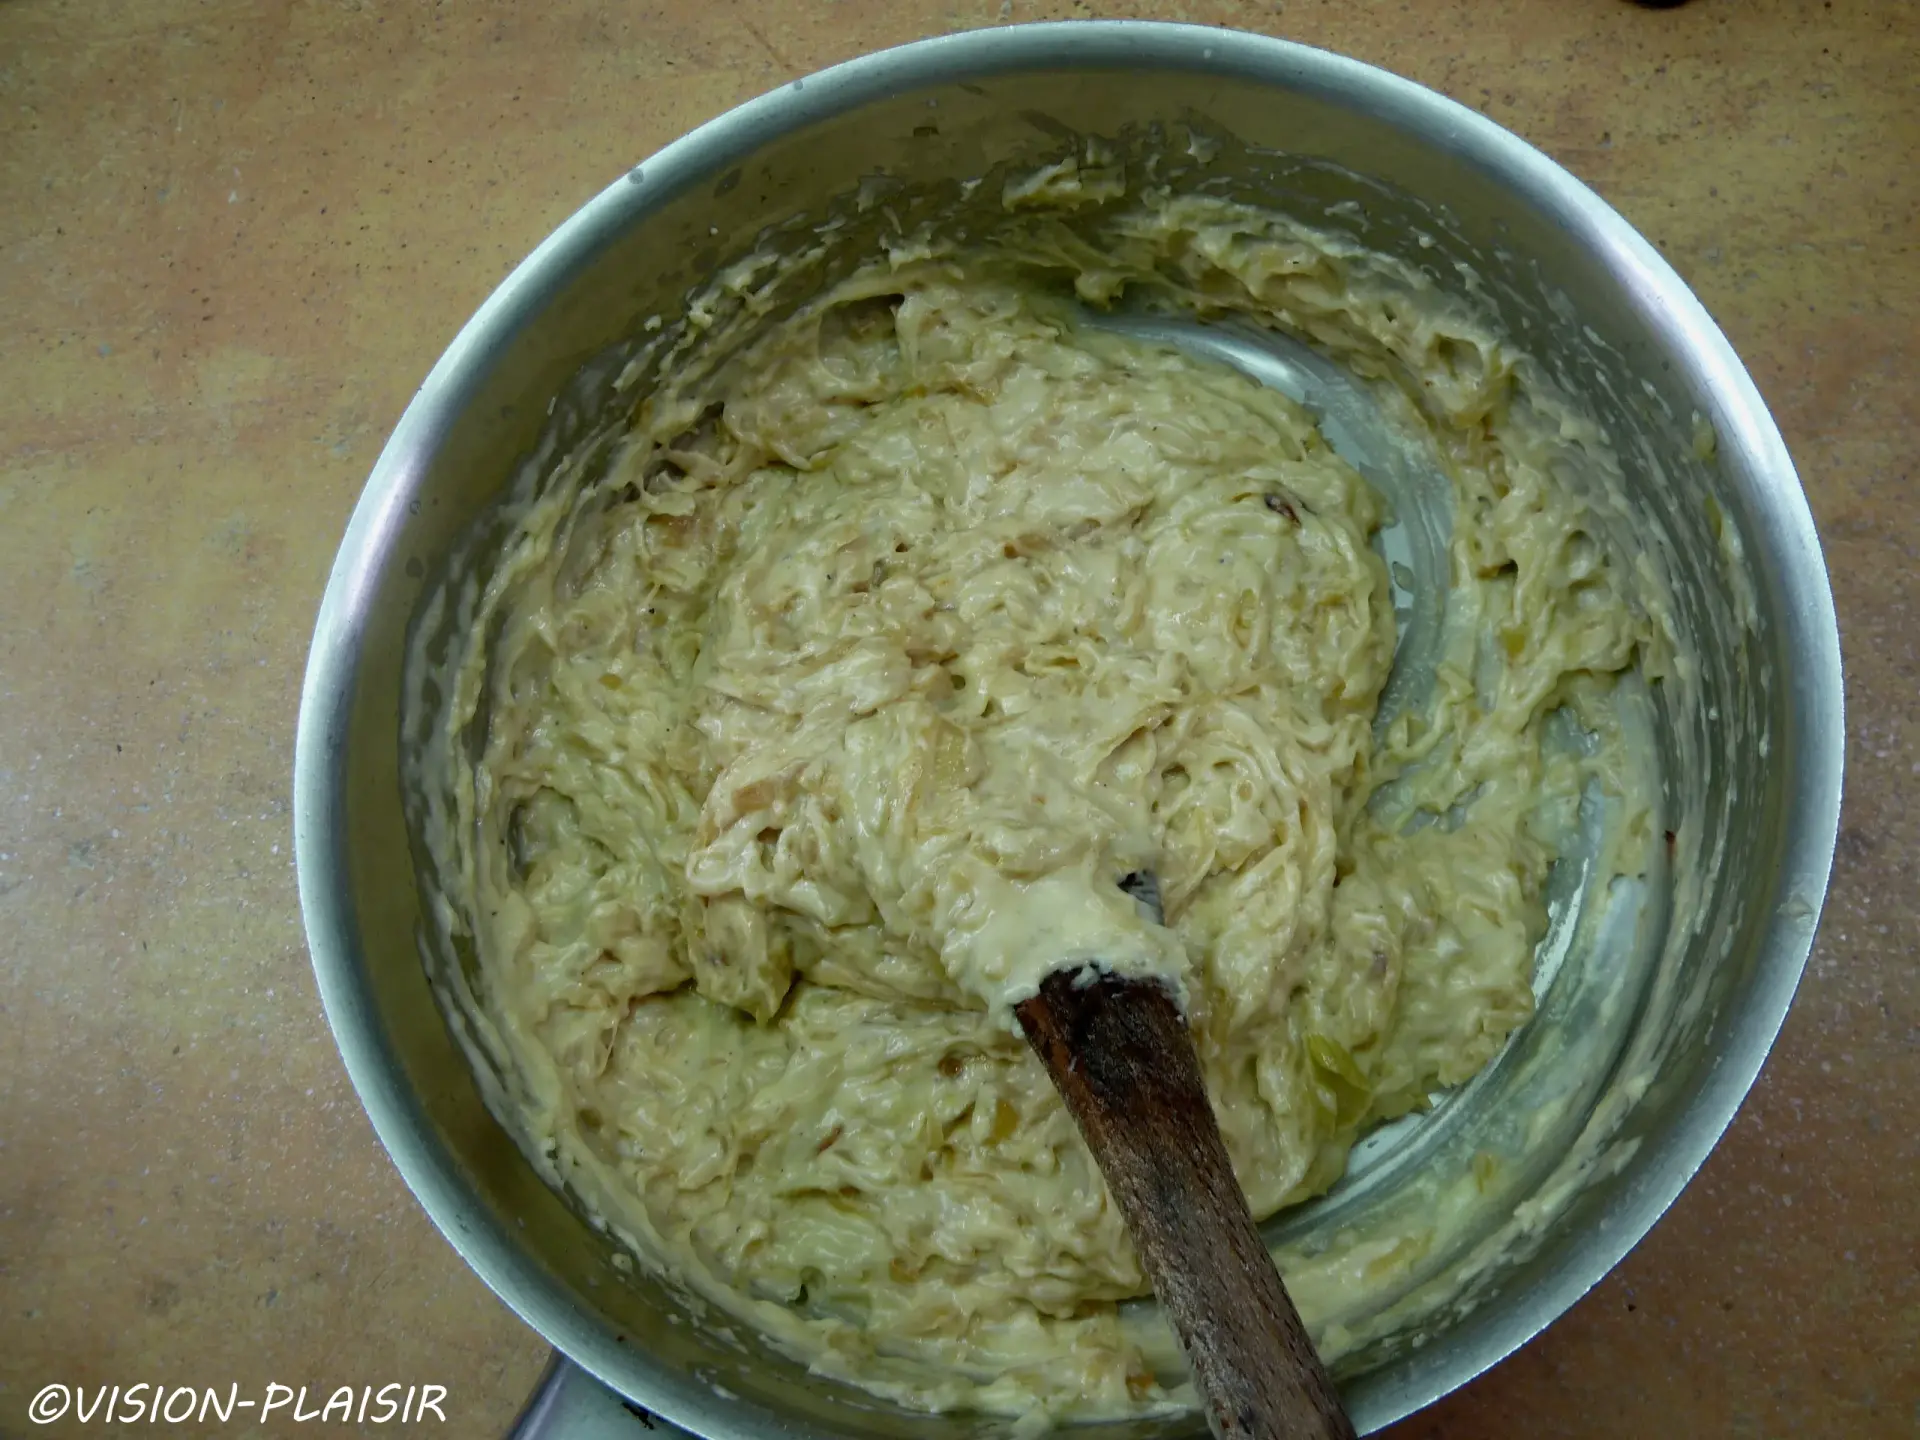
820, 724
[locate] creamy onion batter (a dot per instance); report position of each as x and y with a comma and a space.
823, 725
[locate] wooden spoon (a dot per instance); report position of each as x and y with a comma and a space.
1119, 1052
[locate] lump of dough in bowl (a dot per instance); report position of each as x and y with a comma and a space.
826, 722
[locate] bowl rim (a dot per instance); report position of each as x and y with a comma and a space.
1669, 308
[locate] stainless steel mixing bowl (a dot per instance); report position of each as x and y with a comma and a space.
1750, 748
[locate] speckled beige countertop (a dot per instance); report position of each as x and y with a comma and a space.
234, 234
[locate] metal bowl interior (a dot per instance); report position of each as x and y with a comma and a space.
1752, 749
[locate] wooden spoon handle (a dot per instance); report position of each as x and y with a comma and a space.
1119, 1051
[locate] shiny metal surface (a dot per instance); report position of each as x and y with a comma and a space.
1575, 285
569, 1404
